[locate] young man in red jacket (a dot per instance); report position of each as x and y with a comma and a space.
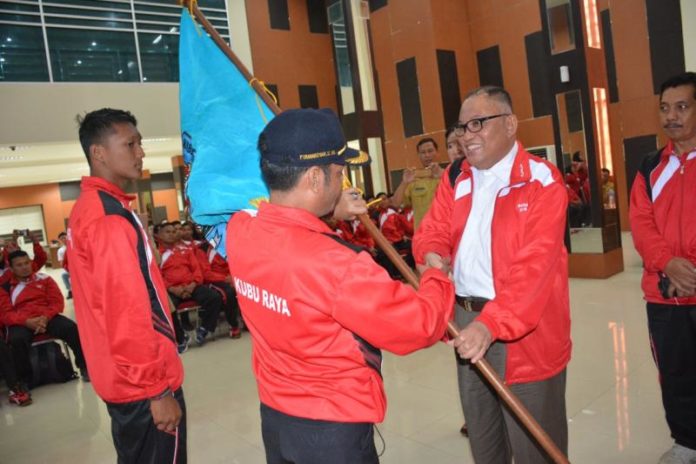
318, 310
121, 301
663, 223
30, 304
501, 222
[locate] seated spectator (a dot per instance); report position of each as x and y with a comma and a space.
189, 235
37, 263
63, 260
184, 280
342, 228
361, 236
397, 229
18, 394
216, 273
30, 304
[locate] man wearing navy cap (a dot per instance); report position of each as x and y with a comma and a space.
318, 309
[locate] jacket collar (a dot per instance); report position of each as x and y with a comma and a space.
520, 172
14, 281
285, 215
90, 183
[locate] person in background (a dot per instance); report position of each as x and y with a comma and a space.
30, 304
417, 188
663, 223
40, 256
62, 260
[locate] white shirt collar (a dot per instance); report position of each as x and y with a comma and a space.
502, 168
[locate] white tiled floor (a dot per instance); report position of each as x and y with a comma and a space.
613, 397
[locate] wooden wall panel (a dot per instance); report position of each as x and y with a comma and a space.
294, 57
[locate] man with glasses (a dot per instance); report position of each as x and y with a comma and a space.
499, 216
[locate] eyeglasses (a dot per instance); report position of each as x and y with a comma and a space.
474, 125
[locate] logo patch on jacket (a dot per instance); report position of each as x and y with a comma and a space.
522, 207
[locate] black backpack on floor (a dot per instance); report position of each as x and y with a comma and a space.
49, 365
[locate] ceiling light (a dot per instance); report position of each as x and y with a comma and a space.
120, 71
9, 39
2, 60
94, 44
157, 40
79, 61
173, 29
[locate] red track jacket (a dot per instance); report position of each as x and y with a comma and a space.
180, 265
531, 310
38, 296
319, 311
394, 226
664, 224
218, 265
120, 298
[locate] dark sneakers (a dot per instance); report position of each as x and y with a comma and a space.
201, 333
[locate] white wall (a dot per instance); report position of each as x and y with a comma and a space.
45, 112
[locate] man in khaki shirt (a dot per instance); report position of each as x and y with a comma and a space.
417, 187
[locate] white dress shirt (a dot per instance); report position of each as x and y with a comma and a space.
473, 270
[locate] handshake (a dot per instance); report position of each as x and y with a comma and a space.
433, 260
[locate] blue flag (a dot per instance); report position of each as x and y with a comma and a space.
221, 119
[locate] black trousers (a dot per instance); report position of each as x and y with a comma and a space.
137, 439
209, 300
295, 440
230, 306
20, 337
673, 341
7, 367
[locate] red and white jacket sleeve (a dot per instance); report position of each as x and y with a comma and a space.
126, 305
423, 314
523, 287
5, 309
434, 232
650, 244
54, 298
40, 257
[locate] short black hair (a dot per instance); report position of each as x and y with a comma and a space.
16, 254
283, 178
96, 125
62, 234
174, 223
424, 141
606, 170
687, 78
448, 132
492, 91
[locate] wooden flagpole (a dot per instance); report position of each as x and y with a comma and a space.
509, 398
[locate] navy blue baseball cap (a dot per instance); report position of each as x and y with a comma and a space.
307, 137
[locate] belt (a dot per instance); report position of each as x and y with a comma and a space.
471, 303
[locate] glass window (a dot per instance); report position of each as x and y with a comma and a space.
94, 40
159, 56
92, 56
22, 54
